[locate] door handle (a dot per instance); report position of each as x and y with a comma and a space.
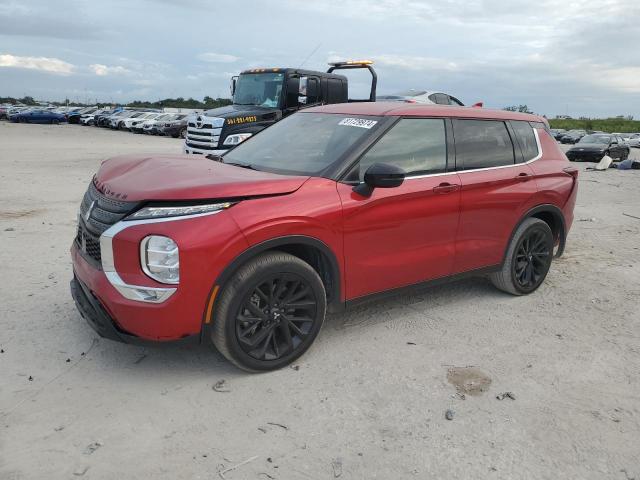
446, 187
523, 177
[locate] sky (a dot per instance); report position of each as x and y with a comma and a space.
580, 57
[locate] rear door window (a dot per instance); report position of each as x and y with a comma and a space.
417, 145
526, 138
482, 144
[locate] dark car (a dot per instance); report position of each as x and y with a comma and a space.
74, 116
572, 136
558, 133
176, 127
591, 148
38, 116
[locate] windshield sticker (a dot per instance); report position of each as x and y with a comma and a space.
358, 122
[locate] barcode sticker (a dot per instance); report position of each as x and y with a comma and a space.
358, 122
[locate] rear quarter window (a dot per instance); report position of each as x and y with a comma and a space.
526, 138
482, 144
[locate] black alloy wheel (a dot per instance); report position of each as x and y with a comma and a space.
527, 259
276, 317
532, 259
269, 312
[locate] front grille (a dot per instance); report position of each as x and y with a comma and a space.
206, 125
97, 214
204, 132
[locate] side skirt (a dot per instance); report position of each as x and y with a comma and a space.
420, 287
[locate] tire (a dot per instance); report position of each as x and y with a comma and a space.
624, 156
244, 304
533, 235
183, 133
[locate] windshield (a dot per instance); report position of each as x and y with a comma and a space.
259, 89
304, 143
596, 139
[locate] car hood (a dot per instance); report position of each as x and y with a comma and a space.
589, 146
231, 111
186, 177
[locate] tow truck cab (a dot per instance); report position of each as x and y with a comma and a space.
263, 96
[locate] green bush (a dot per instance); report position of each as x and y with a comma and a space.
616, 124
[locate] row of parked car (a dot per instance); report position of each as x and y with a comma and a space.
149, 121
574, 136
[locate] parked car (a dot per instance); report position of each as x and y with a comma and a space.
117, 121
592, 148
176, 127
90, 118
634, 140
572, 136
38, 116
75, 115
421, 96
152, 127
557, 133
135, 124
321, 211
103, 120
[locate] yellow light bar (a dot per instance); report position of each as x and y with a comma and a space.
353, 62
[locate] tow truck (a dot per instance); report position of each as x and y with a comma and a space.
263, 96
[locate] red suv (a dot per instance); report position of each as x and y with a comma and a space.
328, 207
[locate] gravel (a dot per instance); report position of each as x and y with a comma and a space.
370, 392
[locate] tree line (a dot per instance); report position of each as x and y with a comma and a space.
180, 102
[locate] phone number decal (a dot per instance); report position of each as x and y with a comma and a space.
239, 120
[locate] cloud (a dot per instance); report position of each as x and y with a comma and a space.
217, 57
416, 62
103, 70
44, 64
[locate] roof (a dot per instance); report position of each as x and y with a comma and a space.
421, 110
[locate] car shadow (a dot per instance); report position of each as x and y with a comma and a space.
167, 360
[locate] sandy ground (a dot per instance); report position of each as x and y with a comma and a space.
367, 401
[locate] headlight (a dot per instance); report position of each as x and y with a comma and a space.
160, 259
161, 212
237, 138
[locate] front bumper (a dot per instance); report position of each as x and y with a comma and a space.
97, 317
585, 156
197, 151
207, 245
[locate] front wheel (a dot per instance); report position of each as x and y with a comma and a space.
528, 258
624, 156
269, 313
183, 133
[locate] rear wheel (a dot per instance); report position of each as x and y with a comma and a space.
183, 133
269, 313
624, 155
528, 258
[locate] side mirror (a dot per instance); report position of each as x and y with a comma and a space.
380, 175
293, 89
232, 86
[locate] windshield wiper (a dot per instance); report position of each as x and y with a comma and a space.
241, 165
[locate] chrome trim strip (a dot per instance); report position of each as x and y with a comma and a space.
135, 292
537, 157
207, 143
